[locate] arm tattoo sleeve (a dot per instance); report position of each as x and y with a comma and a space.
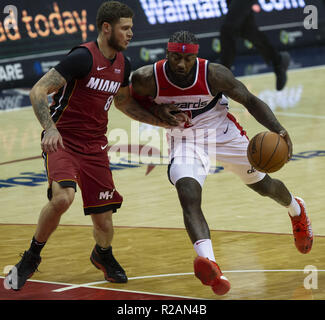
49, 83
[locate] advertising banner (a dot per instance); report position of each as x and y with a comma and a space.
35, 35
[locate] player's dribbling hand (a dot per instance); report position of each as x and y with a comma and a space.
52, 140
171, 115
285, 135
182, 117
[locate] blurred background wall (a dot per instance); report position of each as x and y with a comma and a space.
35, 34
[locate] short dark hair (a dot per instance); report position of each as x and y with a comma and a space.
183, 37
111, 12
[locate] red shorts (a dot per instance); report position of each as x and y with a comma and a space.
90, 172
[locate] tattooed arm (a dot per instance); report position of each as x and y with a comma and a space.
128, 105
221, 79
144, 89
51, 82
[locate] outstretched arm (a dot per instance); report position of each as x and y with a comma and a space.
144, 90
222, 79
51, 82
128, 105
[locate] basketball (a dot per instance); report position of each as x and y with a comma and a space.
267, 152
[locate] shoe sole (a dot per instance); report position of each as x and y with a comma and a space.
205, 271
221, 286
8, 282
307, 246
102, 268
211, 276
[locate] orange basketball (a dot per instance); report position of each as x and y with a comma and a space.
267, 152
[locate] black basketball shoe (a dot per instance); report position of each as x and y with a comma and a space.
22, 271
107, 263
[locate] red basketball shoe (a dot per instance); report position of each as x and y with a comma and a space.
302, 231
210, 275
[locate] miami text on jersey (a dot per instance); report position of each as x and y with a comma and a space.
103, 85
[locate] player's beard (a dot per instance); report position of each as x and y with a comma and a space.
181, 78
113, 43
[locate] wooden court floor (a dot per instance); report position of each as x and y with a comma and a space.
251, 235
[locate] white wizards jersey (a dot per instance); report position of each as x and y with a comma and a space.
215, 134
205, 110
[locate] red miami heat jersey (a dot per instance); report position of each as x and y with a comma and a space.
80, 108
196, 100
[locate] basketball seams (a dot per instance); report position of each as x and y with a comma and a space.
251, 145
276, 147
274, 152
261, 148
275, 166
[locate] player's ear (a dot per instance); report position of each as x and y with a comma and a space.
107, 28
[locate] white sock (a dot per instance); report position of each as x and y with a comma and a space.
203, 248
294, 208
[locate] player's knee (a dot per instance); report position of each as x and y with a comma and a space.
103, 222
189, 193
262, 187
62, 201
103, 226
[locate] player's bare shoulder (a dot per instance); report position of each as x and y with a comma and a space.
219, 77
143, 81
223, 79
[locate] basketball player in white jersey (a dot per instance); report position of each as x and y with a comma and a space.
199, 88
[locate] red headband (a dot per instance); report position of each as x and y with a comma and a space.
183, 47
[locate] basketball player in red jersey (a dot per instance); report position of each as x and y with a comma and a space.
74, 144
200, 89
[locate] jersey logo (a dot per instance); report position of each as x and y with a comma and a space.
192, 105
106, 195
100, 68
104, 147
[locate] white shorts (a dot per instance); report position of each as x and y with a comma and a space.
193, 152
